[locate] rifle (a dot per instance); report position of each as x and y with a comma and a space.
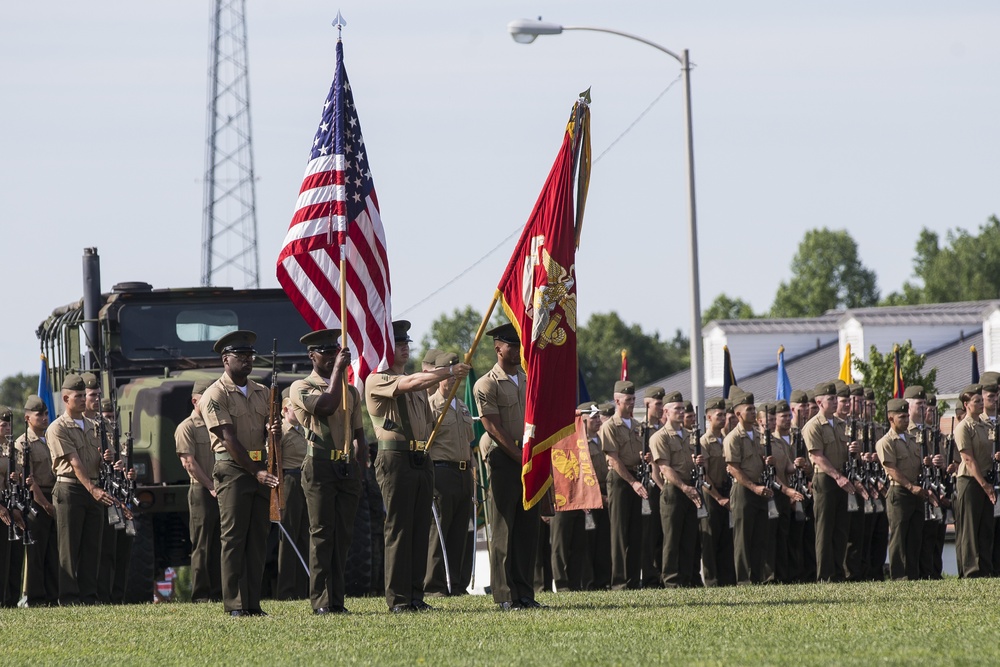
274, 465
769, 478
698, 473
949, 482
852, 468
29, 510
800, 482
646, 468
926, 474
12, 493
874, 472
127, 487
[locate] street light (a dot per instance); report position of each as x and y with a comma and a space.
524, 31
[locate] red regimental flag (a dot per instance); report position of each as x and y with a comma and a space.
538, 292
624, 365
573, 476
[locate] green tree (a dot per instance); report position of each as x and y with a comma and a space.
878, 373
599, 346
14, 390
967, 268
727, 308
826, 273
455, 333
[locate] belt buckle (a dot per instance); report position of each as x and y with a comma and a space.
255, 455
462, 465
418, 445
336, 455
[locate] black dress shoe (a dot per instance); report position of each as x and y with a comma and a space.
528, 603
509, 605
239, 612
420, 605
255, 612
322, 611
401, 608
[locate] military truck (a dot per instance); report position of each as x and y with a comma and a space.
149, 346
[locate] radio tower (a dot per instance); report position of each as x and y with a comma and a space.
229, 229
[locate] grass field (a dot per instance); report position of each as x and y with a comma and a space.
944, 622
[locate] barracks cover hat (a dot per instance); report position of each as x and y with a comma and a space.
655, 392
624, 387
6, 415
324, 339
932, 400
431, 356
35, 404
717, 403
505, 333
780, 406
973, 389
825, 389
856, 390
400, 331
673, 397
589, 408
607, 409
989, 378
73, 382
869, 394
236, 341
799, 396
915, 391
90, 381
896, 405
740, 397
106, 405
445, 359
201, 386
688, 406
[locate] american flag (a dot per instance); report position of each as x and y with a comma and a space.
337, 206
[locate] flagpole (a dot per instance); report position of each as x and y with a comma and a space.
468, 360
339, 24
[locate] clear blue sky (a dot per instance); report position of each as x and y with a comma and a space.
880, 118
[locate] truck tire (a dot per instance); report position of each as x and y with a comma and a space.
140, 584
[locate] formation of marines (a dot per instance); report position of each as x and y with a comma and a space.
806, 489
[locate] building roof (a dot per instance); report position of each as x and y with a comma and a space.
931, 314
826, 323
954, 364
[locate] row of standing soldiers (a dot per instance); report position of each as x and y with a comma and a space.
66, 502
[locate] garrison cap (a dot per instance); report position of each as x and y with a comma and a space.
324, 339
896, 405
35, 404
106, 405
90, 381
6, 414
973, 389
856, 390
655, 392
799, 396
73, 382
673, 397
431, 356
236, 341
780, 406
688, 406
825, 389
201, 386
589, 408
445, 359
914, 391
607, 409
869, 394
625, 387
718, 403
400, 329
505, 333
741, 398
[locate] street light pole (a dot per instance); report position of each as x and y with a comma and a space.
524, 31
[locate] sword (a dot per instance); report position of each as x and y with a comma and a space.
474, 526
297, 552
444, 551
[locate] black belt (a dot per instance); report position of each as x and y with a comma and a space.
294, 472
456, 465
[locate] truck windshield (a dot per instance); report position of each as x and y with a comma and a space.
170, 330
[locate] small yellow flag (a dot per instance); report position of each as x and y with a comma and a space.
845, 367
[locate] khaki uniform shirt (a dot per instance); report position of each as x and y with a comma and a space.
327, 432
382, 406
192, 437
673, 448
913, 432
972, 436
715, 461
617, 438
744, 452
820, 436
496, 394
599, 461
783, 455
223, 403
41, 460
293, 446
453, 439
64, 436
901, 453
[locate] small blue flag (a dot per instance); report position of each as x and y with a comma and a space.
784, 388
44, 392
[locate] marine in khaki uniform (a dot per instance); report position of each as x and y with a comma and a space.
673, 454
42, 582
403, 422
451, 455
235, 409
748, 501
899, 453
621, 439
802, 534
716, 534
194, 448
777, 564
975, 495
293, 582
500, 397
331, 477
11, 551
828, 451
652, 527
79, 502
